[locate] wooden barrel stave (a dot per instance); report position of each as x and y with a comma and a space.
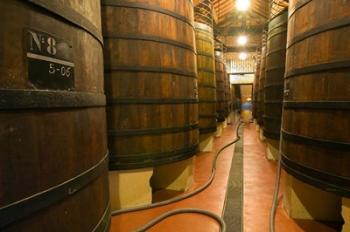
316, 102
262, 74
206, 78
275, 67
256, 89
150, 81
227, 93
52, 132
220, 90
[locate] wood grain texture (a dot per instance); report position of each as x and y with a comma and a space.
227, 93
274, 79
256, 86
317, 94
206, 78
262, 74
220, 89
47, 141
150, 82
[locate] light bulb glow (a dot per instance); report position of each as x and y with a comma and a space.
242, 56
232, 79
242, 5
242, 40
218, 53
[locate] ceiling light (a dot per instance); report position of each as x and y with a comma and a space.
242, 5
242, 40
242, 56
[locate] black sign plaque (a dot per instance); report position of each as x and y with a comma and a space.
50, 61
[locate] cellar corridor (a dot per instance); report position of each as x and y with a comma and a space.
175, 116
258, 184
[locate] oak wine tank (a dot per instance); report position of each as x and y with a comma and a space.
256, 86
150, 82
206, 78
53, 141
220, 89
316, 113
261, 94
227, 93
274, 78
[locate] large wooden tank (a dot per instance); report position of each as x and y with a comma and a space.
261, 94
227, 92
316, 114
53, 162
274, 78
150, 82
206, 78
220, 89
256, 88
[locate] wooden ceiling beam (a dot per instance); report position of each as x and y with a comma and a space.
236, 30
221, 3
223, 9
232, 21
241, 49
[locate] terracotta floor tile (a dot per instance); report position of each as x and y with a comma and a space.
259, 178
211, 199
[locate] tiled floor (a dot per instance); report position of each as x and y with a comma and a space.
211, 199
259, 177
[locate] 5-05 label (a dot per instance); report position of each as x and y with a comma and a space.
50, 61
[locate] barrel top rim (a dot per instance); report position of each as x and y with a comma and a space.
297, 6
72, 16
203, 26
149, 7
285, 10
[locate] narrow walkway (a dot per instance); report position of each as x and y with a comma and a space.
211, 199
259, 178
233, 216
258, 184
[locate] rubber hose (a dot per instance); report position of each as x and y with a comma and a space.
182, 211
272, 217
275, 198
184, 196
